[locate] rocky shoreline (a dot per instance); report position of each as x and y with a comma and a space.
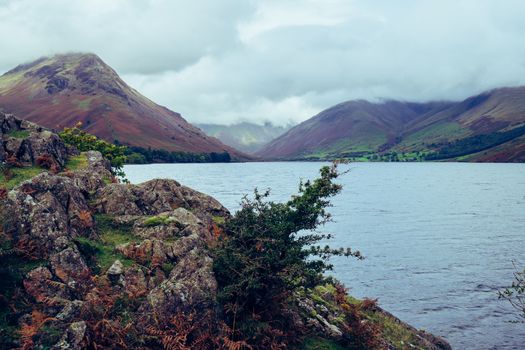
92, 263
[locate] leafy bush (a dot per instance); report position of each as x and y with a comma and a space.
86, 142
269, 250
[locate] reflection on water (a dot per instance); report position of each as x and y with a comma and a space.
438, 238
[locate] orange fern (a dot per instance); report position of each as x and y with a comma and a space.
28, 331
85, 218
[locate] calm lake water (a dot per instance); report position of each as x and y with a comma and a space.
439, 238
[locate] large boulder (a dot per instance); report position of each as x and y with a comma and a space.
155, 197
50, 210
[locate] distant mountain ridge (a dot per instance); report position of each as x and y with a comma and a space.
486, 127
246, 137
61, 90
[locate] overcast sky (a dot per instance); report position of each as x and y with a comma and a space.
280, 61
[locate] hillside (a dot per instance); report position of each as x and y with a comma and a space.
486, 127
60, 91
246, 137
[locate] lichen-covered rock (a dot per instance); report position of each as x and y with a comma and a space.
70, 310
50, 212
27, 142
72, 338
69, 266
95, 175
191, 286
135, 283
155, 197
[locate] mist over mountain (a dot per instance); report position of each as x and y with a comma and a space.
246, 137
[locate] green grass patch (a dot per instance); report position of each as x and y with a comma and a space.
315, 343
18, 134
100, 256
394, 332
113, 233
219, 220
440, 132
101, 253
84, 104
325, 295
19, 175
77, 162
158, 220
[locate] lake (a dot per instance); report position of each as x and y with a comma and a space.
439, 238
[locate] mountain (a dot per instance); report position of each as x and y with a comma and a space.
59, 91
246, 137
486, 127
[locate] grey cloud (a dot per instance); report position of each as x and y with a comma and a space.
133, 36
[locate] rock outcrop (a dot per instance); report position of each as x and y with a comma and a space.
90, 263
26, 143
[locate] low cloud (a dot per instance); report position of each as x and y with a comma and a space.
279, 61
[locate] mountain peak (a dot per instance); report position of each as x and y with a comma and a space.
63, 89
59, 59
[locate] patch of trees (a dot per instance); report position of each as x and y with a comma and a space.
475, 144
139, 155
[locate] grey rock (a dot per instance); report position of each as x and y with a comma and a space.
70, 311
116, 268
72, 339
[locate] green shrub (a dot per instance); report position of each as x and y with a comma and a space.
87, 142
268, 251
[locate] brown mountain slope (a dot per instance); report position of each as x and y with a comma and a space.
350, 127
64, 89
363, 129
